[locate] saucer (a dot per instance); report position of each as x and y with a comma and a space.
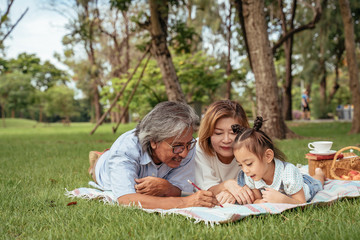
323, 153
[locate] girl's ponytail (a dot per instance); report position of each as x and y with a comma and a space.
255, 139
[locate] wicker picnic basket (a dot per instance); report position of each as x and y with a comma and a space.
325, 165
343, 166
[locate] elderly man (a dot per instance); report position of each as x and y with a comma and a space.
150, 165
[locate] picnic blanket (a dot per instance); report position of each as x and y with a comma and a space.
333, 191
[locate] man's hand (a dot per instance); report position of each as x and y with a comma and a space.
201, 198
155, 186
225, 197
243, 195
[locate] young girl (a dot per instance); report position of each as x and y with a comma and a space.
267, 174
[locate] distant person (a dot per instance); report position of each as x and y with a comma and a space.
214, 159
150, 165
267, 174
305, 100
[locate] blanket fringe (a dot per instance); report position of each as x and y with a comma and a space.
333, 191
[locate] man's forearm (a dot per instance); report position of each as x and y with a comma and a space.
172, 191
152, 202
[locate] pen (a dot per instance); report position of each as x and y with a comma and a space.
199, 188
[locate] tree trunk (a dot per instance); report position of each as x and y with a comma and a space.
3, 114
267, 98
323, 85
336, 85
239, 11
40, 114
323, 75
352, 64
228, 60
158, 30
287, 98
289, 30
96, 102
288, 46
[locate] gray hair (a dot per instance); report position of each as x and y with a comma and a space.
166, 120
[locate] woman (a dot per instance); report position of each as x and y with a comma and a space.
214, 159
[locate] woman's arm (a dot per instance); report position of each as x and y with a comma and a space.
216, 189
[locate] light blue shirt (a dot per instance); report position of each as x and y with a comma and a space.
287, 179
118, 167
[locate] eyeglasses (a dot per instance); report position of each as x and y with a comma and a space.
180, 147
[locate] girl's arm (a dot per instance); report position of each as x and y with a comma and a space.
258, 196
272, 196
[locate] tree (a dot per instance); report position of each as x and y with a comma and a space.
287, 39
157, 24
267, 92
321, 61
352, 62
117, 45
84, 31
199, 76
16, 92
60, 102
159, 10
42, 76
6, 27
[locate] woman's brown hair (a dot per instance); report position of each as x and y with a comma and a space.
217, 110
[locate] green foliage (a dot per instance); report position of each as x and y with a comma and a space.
122, 5
16, 91
24, 80
43, 75
199, 76
60, 102
181, 37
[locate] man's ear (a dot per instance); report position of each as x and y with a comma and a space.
153, 144
269, 155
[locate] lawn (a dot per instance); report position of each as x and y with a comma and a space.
39, 161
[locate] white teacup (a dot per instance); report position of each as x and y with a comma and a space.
320, 146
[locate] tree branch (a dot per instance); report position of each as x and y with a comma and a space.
119, 94
131, 95
13, 26
317, 15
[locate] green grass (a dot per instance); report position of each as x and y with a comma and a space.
38, 161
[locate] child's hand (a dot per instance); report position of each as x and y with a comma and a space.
225, 197
243, 195
272, 196
259, 201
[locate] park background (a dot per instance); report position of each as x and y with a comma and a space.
117, 59
259, 53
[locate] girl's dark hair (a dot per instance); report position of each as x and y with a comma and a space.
255, 140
